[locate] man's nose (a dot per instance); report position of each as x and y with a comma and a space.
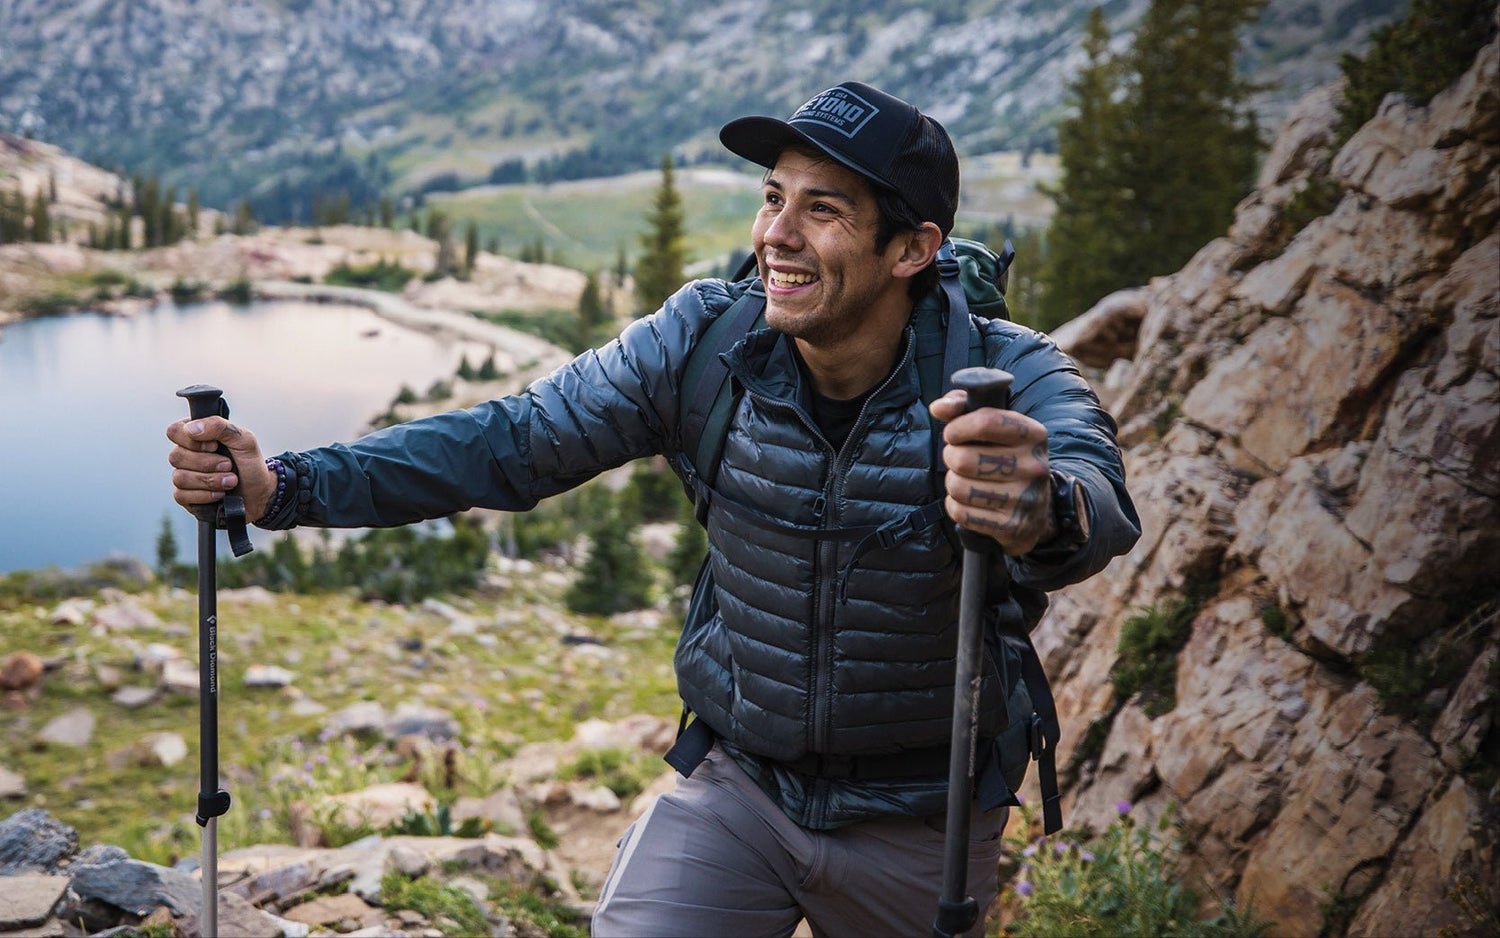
784, 231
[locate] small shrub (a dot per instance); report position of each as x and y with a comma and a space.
1149, 643
237, 291
1418, 56
50, 303
1126, 881
536, 914
434, 902
382, 275
615, 769
438, 823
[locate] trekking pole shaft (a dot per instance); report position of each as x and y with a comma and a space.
205, 401
957, 910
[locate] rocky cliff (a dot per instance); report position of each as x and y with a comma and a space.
1310, 417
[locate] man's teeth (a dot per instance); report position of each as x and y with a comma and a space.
790, 280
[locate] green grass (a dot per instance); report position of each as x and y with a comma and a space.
584, 224
342, 651
435, 902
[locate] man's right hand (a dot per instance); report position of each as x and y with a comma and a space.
202, 476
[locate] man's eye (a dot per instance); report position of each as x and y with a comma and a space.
823, 207
773, 199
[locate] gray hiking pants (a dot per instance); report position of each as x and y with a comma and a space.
716, 857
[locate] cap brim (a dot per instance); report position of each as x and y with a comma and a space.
762, 139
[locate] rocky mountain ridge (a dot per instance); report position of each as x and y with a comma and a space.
229, 97
1310, 418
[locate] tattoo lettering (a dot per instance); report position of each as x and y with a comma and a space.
1002, 466
980, 498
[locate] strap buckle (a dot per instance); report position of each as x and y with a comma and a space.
947, 260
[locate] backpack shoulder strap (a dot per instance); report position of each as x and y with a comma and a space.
707, 394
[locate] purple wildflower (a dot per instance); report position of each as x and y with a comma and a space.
1123, 807
265, 814
1024, 888
1030, 851
1061, 847
307, 766
1085, 856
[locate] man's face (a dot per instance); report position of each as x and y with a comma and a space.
814, 239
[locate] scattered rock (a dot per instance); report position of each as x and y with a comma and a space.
29, 899
376, 807
407, 861
21, 671
180, 676
239, 918
109, 875
33, 840
73, 612
331, 910
501, 808
248, 595
154, 657
267, 675
364, 717
151, 751
412, 719
124, 615
11, 784
132, 697
74, 728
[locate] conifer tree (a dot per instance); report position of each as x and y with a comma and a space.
1088, 240
194, 208
471, 248
387, 212
614, 577
689, 549
41, 218
166, 551
590, 311
658, 271
1161, 147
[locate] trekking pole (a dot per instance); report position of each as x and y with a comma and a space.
213, 801
957, 910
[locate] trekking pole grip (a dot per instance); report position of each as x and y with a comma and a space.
985, 387
207, 401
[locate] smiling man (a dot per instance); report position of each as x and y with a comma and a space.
819, 669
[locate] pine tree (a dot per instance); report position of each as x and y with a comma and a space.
471, 248
590, 311
614, 577
194, 207
1161, 148
658, 272
166, 551
1088, 242
689, 549
41, 218
387, 212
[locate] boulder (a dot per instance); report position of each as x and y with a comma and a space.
21, 671
74, 729
29, 899
32, 840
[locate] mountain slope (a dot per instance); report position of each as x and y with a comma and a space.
229, 95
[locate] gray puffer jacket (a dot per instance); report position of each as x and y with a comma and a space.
788, 649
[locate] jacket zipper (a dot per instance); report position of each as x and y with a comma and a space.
828, 560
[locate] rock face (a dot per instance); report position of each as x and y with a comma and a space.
1312, 439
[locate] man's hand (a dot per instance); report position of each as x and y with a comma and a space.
997, 473
202, 476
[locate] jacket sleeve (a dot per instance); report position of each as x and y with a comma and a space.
606, 407
1080, 441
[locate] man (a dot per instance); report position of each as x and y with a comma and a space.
820, 673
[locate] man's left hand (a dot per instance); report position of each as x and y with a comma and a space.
997, 473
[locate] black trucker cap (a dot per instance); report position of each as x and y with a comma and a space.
877, 135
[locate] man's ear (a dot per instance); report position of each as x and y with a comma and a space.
917, 249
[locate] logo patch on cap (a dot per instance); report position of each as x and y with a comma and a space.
837, 109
